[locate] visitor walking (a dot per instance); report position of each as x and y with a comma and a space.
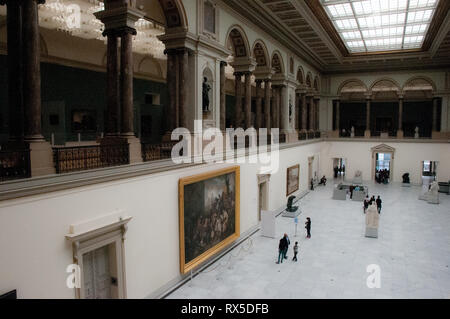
282, 249
379, 201
308, 227
312, 184
366, 203
287, 247
295, 251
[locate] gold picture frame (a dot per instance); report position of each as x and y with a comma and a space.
189, 259
290, 176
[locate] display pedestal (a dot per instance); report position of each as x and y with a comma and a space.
291, 214
372, 221
268, 223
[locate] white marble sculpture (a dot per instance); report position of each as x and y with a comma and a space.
430, 193
372, 221
358, 178
353, 132
416, 134
433, 193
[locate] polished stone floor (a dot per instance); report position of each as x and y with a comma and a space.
412, 251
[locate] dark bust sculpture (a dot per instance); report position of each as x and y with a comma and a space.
406, 178
206, 89
291, 208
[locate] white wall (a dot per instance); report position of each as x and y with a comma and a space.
34, 252
407, 158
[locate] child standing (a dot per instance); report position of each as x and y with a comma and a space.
295, 251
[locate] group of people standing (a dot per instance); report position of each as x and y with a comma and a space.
368, 202
382, 176
339, 171
283, 246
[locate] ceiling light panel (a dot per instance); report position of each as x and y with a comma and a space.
379, 25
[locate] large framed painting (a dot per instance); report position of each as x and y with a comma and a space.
292, 179
209, 215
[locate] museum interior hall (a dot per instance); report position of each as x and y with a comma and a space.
224, 149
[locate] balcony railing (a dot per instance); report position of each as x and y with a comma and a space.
155, 152
81, 158
14, 164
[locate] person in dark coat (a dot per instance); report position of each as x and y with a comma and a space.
308, 227
379, 201
366, 203
312, 184
287, 247
282, 247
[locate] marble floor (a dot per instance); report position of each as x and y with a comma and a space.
412, 251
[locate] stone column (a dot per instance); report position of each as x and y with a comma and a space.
126, 79
367, 133
183, 60
284, 109
172, 88
338, 116
223, 113
311, 113
41, 154
304, 113
31, 71
275, 107
248, 100
400, 117
435, 108
267, 103
297, 112
15, 70
317, 113
127, 95
238, 95
258, 123
112, 85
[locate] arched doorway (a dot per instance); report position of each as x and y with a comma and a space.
383, 163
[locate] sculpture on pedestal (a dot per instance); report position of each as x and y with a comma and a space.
416, 134
205, 94
290, 207
432, 194
352, 132
406, 181
291, 210
372, 221
406, 178
358, 177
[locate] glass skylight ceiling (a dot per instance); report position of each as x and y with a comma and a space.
381, 25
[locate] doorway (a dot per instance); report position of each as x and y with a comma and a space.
383, 163
339, 167
429, 172
383, 168
100, 273
263, 194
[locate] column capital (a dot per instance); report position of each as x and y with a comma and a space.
119, 18
223, 63
368, 96
401, 96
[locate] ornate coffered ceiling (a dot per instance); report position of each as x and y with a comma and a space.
304, 27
